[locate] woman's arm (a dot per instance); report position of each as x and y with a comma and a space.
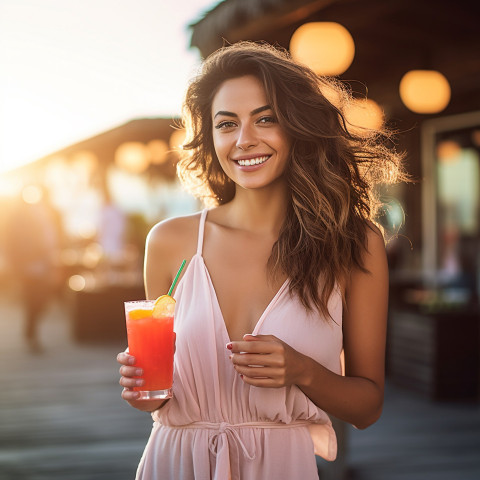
161, 253
356, 397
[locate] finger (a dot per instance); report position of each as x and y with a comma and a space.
273, 359
262, 382
246, 359
130, 395
250, 337
130, 383
125, 359
252, 347
259, 372
130, 371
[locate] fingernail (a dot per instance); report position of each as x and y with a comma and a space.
138, 372
139, 382
131, 360
229, 346
241, 376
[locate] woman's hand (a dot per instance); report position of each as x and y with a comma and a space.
266, 361
128, 381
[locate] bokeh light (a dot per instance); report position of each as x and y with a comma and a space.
132, 156
364, 116
425, 91
77, 283
326, 47
177, 139
32, 194
158, 151
448, 150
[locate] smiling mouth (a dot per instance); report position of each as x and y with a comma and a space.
253, 161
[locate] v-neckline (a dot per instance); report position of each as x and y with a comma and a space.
262, 316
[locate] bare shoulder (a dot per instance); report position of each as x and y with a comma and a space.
174, 233
168, 243
375, 241
374, 261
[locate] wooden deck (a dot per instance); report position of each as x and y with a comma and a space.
61, 417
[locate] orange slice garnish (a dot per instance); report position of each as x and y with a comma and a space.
164, 306
139, 313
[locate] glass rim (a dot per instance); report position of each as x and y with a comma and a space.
130, 304
139, 301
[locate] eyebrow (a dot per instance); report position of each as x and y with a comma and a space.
253, 112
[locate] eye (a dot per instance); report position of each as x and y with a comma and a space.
225, 125
267, 120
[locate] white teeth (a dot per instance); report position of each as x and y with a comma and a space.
253, 161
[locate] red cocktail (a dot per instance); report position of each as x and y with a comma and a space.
151, 341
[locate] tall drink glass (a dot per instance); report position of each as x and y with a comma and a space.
151, 342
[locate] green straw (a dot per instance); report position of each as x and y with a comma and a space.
176, 278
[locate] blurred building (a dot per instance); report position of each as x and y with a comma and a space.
108, 190
419, 62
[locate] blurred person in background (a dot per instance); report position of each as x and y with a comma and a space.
112, 230
297, 272
33, 241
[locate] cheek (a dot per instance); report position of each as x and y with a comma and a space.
284, 147
219, 146
280, 139
221, 155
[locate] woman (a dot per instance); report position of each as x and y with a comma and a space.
285, 271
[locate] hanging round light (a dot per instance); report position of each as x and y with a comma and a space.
326, 47
364, 116
425, 91
332, 94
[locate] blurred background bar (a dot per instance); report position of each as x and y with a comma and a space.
73, 219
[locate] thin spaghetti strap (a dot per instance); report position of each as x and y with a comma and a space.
201, 230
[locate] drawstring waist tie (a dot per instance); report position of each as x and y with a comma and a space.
225, 436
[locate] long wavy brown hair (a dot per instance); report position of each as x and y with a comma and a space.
332, 172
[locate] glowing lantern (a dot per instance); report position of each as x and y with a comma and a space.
363, 116
332, 95
425, 91
132, 156
326, 47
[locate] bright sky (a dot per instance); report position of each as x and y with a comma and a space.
72, 69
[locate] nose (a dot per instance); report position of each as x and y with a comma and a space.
246, 138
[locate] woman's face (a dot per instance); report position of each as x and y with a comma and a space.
252, 148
